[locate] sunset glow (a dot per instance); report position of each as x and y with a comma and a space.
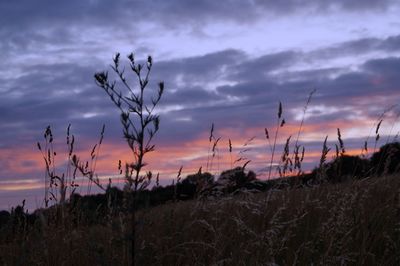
227, 66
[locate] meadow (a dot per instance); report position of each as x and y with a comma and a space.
349, 223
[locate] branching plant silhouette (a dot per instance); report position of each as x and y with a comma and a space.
57, 182
140, 125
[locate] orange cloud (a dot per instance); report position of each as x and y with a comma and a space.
24, 184
192, 155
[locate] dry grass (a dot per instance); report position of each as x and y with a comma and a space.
347, 224
353, 223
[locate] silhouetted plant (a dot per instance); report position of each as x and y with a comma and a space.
298, 156
87, 168
321, 172
140, 129
375, 127
230, 153
139, 122
340, 152
286, 162
377, 136
178, 180
280, 122
210, 139
212, 149
241, 156
298, 159
56, 185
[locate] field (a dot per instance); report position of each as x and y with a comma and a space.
351, 223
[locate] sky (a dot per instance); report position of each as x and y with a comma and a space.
227, 63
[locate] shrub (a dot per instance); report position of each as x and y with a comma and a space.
387, 159
346, 166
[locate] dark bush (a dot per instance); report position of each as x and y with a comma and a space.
194, 184
4, 218
237, 176
386, 160
345, 167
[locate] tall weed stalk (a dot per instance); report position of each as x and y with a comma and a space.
140, 125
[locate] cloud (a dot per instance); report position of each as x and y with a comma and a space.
52, 95
237, 92
229, 78
384, 66
199, 69
357, 47
119, 15
262, 66
215, 87
46, 31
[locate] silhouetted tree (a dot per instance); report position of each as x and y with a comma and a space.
386, 160
238, 176
194, 184
346, 166
231, 180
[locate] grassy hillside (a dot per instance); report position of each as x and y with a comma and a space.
350, 223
